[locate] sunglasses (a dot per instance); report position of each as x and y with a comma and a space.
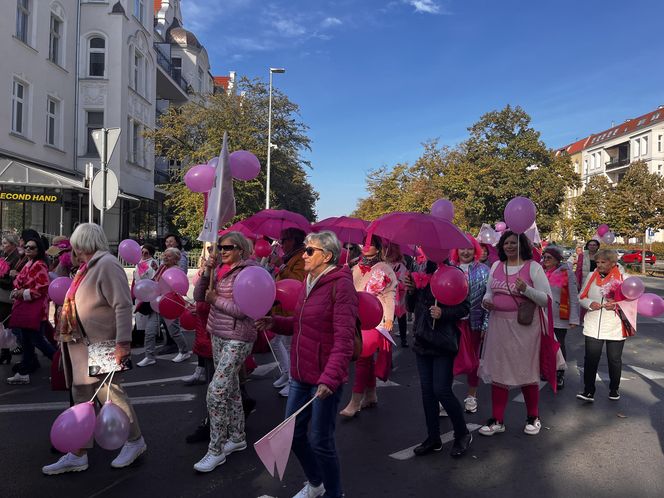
309, 251
226, 247
31, 247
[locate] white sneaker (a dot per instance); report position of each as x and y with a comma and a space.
67, 463
146, 362
129, 452
180, 357
284, 392
470, 404
231, 447
198, 377
492, 427
18, 379
441, 411
309, 491
209, 462
533, 426
281, 381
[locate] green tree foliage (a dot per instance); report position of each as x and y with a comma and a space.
590, 208
193, 134
502, 158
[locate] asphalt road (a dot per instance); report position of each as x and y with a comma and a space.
609, 448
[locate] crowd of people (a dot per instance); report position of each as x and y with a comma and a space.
517, 295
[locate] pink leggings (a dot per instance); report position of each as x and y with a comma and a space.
365, 378
499, 400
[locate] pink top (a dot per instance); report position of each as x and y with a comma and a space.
501, 296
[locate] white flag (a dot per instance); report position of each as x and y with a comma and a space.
221, 200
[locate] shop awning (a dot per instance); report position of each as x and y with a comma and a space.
21, 174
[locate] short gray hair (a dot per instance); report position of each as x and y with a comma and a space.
174, 251
88, 238
608, 254
239, 240
11, 238
328, 242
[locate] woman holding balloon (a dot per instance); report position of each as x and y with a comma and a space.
97, 308
233, 334
585, 262
145, 269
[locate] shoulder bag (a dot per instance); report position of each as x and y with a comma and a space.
101, 356
525, 310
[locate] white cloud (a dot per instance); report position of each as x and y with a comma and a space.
329, 22
426, 6
288, 27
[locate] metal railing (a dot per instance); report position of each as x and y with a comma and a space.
616, 163
173, 73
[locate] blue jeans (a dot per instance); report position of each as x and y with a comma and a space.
436, 377
29, 339
316, 451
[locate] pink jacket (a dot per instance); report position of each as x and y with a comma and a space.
225, 319
323, 331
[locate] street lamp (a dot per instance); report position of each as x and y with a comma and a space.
279, 70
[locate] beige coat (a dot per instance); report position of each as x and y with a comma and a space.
103, 305
386, 296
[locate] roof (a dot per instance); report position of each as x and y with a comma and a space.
628, 127
157, 6
575, 147
222, 81
179, 35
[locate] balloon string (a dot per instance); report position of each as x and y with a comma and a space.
100, 386
433, 323
272, 351
108, 391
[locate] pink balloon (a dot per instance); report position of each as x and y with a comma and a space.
370, 342
520, 214
602, 229
609, 238
213, 162
254, 291
444, 209
154, 304
199, 178
176, 279
146, 290
501, 226
73, 428
487, 236
171, 306
130, 251
244, 165
188, 321
112, 427
262, 248
632, 288
288, 292
449, 285
650, 305
371, 310
57, 290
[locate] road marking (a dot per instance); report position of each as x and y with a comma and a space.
62, 405
262, 370
519, 398
601, 375
445, 438
165, 380
387, 383
648, 374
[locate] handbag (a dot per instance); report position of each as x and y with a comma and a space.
525, 310
27, 314
101, 356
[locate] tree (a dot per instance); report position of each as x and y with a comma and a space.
637, 203
590, 207
193, 133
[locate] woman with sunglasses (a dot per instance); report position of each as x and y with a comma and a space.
323, 328
31, 286
11, 256
233, 335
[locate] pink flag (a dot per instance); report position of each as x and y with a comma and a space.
629, 310
274, 448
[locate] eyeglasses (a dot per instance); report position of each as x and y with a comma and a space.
145, 253
309, 251
32, 248
226, 247
546, 256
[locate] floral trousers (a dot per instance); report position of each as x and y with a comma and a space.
224, 400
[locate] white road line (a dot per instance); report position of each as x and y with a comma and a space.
648, 374
165, 380
61, 405
519, 398
601, 376
445, 438
388, 383
262, 370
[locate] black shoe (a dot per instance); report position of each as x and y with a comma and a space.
589, 397
404, 344
167, 349
17, 350
614, 394
248, 406
428, 446
461, 445
560, 378
200, 435
5, 357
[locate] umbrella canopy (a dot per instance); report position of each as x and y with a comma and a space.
418, 229
347, 229
317, 227
238, 227
272, 222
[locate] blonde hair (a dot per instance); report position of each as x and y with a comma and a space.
239, 240
607, 254
88, 238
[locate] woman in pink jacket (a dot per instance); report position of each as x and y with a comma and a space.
323, 328
233, 335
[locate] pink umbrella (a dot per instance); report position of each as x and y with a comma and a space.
317, 227
238, 227
352, 230
271, 222
419, 229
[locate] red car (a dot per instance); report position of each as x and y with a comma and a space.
634, 257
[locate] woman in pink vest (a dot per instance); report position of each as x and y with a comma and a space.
511, 354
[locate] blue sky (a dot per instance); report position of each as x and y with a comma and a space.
376, 78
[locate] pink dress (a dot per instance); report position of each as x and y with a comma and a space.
511, 352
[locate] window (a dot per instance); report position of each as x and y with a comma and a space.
637, 147
94, 120
54, 40
138, 72
659, 142
22, 19
139, 9
135, 153
200, 80
52, 113
585, 167
19, 107
176, 62
97, 57
644, 147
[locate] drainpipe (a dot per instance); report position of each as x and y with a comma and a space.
76, 69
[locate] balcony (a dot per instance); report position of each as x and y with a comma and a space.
170, 83
616, 163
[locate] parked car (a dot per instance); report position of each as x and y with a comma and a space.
634, 257
621, 253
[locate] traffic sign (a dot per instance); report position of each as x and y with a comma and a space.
112, 189
112, 135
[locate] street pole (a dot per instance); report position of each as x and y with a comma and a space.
104, 159
90, 173
269, 136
